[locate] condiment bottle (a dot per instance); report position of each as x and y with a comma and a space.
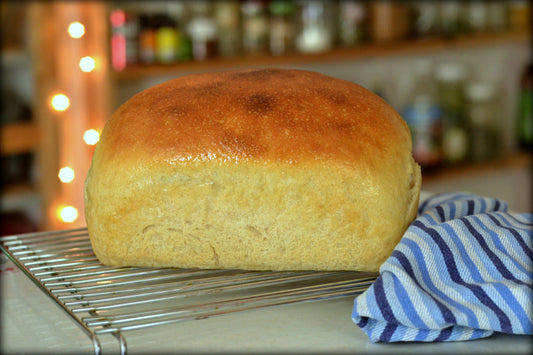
423, 115
167, 39
426, 18
482, 117
389, 21
124, 38
450, 19
147, 39
254, 27
228, 20
451, 94
282, 27
352, 22
202, 30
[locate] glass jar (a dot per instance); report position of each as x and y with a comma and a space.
282, 28
450, 19
476, 16
483, 116
124, 38
316, 33
451, 94
352, 22
389, 21
202, 31
228, 20
167, 39
426, 18
147, 38
254, 27
423, 115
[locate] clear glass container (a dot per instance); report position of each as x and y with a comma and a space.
316, 34
228, 19
353, 17
282, 26
483, 117
451, 93
254, 27
423, 115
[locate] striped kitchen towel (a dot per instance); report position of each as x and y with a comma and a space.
463, 270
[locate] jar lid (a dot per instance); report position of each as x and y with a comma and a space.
480, 91
202, 29
450, 72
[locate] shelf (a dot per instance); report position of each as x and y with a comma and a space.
19, 138
519, 159
363, 51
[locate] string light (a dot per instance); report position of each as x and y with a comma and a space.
76, 29
66, 175
87, 64
91, 136
68, 214
60, 102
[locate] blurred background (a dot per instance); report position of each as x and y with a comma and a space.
459, 72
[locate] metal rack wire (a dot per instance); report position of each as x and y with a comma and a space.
115, 300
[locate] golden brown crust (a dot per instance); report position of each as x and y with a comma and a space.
260, 115
254, 169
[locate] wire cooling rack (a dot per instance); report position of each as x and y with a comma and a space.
114, 300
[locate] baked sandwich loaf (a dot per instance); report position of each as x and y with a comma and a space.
262, 169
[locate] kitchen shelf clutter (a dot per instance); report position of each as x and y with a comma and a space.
140, 41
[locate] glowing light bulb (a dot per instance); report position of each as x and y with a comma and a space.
87, 64
66, 174
60, 102
68, 214
76, 29
91, 136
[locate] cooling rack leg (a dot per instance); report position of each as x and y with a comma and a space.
96, 345
123, 345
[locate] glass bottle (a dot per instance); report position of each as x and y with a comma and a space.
482, 117
450, 19
228, 20
426, 20
316, 34
282, 27
423, 115
167, 39
451, 94
254, 27
202, 31
352, 22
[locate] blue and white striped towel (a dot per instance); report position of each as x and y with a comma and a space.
463, 270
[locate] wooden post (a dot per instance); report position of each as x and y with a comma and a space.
56, 57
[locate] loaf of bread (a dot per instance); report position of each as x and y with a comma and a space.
260, 169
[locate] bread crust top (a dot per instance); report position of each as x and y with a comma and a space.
255, 115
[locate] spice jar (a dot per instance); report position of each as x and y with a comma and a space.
202, 30
228, 20
482, 117
282, 29
425, 21
352, 22
389, 21
451, 94
167, 39
525, 109
316, 34
124, 38
147, 38
255, 27
450, 19
423, 116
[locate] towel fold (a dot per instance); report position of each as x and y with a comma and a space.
463, 270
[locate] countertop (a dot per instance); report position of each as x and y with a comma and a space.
33, 323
